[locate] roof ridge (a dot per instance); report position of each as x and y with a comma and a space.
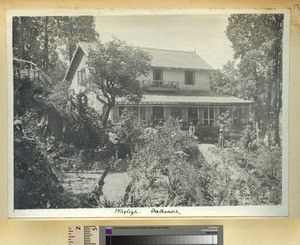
180, 58
142, 47
172, 50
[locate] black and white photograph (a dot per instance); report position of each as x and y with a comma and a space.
148, 113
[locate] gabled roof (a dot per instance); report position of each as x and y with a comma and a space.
160, 58
165, 58
177, 59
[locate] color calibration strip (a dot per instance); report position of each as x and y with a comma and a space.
163, 240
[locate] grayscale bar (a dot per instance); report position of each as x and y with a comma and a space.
165, 240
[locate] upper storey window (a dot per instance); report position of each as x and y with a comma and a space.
81, 76
189, 77
157, 74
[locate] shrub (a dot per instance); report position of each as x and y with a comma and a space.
248, 139
127, 131
193, 153
238, 177
162, 170
207, 134
83, 124
36, 183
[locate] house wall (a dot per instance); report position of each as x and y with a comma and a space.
178, 75
77, 87
240, 114
169, 74
74, 83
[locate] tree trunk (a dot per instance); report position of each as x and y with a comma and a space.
278, 101
46, 46
268, 120
278, 104
22, 39
278, 77
106, 115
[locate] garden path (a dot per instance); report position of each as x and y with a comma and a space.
83, 182
208, 154
115, 186
115, 183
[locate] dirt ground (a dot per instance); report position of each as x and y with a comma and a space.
83, 182
115, 186
115, 181
207, 151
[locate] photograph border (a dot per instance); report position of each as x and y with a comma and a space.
238, 211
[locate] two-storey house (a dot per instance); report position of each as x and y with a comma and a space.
177, 86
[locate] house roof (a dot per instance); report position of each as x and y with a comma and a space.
187, 98
177, 59
160, 58
165, 58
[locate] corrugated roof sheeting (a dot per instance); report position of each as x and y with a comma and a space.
177, 59
166, 58
189, 100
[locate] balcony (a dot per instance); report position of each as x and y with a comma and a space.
160, 85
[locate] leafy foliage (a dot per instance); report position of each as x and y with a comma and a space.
256, 72
243, 177
224, 122
127, 130
83, 122
257, 42
207, 134
162, 167
73, 29
114, 68
40, 111
43, 40
36, 182
227, 80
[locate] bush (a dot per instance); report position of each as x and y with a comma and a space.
240, 177
36, 183
207, 134
162, 170
193, 153
248, 139
127, 132
83, 124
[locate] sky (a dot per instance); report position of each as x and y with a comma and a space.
204, 33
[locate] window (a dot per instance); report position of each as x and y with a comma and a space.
81, 76
240, 115
157, 74
121, 110
208, 117
176, 112
83, 99
223, 110
134, 111
143, 115
246, 115
193, 115
158, 115
189, 78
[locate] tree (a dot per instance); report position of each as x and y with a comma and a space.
227, 80
42, 40
113, 71
74, 29
257, 44
34, 40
